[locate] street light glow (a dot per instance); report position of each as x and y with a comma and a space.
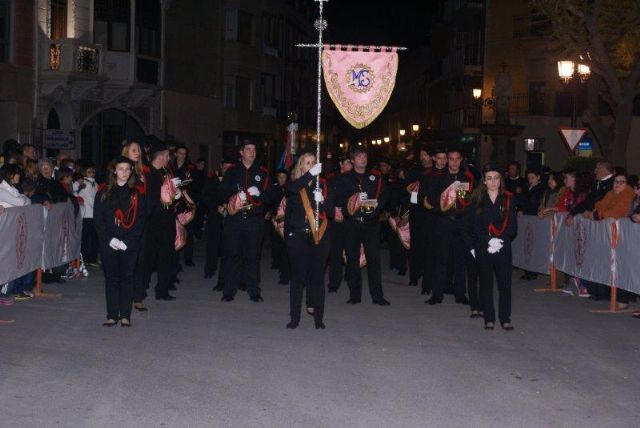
566, 69
387, 139
477, 93
402, 132
415, 127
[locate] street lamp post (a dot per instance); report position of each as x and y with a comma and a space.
573, 73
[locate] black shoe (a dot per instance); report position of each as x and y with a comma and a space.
332, 289
283, 281
320, 325
413, 284
189, 263
208, 275
382, 302
257, 298
140, 307
353, 301
124, 322
292, 324
172, 287
226, 298
425, 291
462, 300
475, 314
242, 286
489, 325
402, 272
167, 297
218, 287
506, 326
109, 323
433, 301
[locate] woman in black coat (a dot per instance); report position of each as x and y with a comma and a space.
307, 247
493, 224
119, 218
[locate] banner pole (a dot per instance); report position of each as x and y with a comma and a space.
553, 273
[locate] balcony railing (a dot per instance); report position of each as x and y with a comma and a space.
461, 118
69, 55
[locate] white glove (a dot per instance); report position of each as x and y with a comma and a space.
178, 194
363, 196
242, 196
117, 244
176, 181
317, 196
316, 169
253, 191
414, 198
114, 244
473, 253
495, 245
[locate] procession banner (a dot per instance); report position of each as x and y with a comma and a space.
21, 233
532, 247
62, 235
627, 272
584, 249
359, 82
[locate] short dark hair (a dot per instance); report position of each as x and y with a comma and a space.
356, 150
8, 170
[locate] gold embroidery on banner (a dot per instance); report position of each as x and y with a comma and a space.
357, 115
360, 78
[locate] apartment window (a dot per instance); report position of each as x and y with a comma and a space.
243, 94
231, 24
4, 31
271, 31
229, 93
245, 27
58, 19
148, 26
536, 98
111, 24
267, 86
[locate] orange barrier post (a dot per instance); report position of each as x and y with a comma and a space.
38, 291
553, 273
613, 302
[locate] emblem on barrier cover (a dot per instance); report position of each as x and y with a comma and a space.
580, 247
528, 243
22, 236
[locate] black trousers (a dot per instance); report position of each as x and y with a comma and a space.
89, 241
160, 253
417, 234
279, 254
242, 240
498, 265
397, 253
430, 251
213, 232
308, 262
367, 234
140, 281
187, 250
449, 238
475, 292
338, 246
119, 267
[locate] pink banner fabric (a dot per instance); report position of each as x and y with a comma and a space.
359, 83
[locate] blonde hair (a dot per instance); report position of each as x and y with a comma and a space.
125, 152
297, 170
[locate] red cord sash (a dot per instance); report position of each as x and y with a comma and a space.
493, 231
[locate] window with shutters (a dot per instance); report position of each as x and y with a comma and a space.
58, 19
111, 24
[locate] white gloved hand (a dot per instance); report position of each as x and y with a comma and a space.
363, 196
473, 253
114, 244
316, 169
495, 245
414, 198
253, 191
178, 194
317, 196
121, 245
176, 181
242, 196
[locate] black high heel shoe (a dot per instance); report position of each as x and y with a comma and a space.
506, 326
124, 322
489, 325
140, 307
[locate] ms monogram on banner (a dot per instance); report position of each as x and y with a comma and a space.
360, 78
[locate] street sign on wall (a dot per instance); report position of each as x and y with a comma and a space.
63, 139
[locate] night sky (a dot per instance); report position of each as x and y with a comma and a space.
395, 22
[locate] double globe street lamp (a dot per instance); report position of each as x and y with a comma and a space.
573, 74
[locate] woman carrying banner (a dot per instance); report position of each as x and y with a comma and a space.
307, 240
493, 224
119, 215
